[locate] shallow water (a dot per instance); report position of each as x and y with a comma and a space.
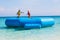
48, 33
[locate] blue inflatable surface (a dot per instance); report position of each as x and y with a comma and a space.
12, 22
47, 22
30, 26
30, 22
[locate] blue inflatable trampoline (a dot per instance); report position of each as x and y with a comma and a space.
29, 22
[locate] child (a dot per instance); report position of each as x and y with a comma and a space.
18, 13
28, 13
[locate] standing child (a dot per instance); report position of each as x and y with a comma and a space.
18, 13
28, 13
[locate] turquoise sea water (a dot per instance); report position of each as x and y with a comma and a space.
48, 33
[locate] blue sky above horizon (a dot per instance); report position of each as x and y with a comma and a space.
36, 7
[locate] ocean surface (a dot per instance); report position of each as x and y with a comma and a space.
47, 33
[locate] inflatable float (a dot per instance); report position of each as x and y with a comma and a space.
29, 23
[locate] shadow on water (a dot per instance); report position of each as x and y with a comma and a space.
21, 28
11, 27
3, 27
17, 28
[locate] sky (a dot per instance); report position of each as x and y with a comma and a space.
36, 7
